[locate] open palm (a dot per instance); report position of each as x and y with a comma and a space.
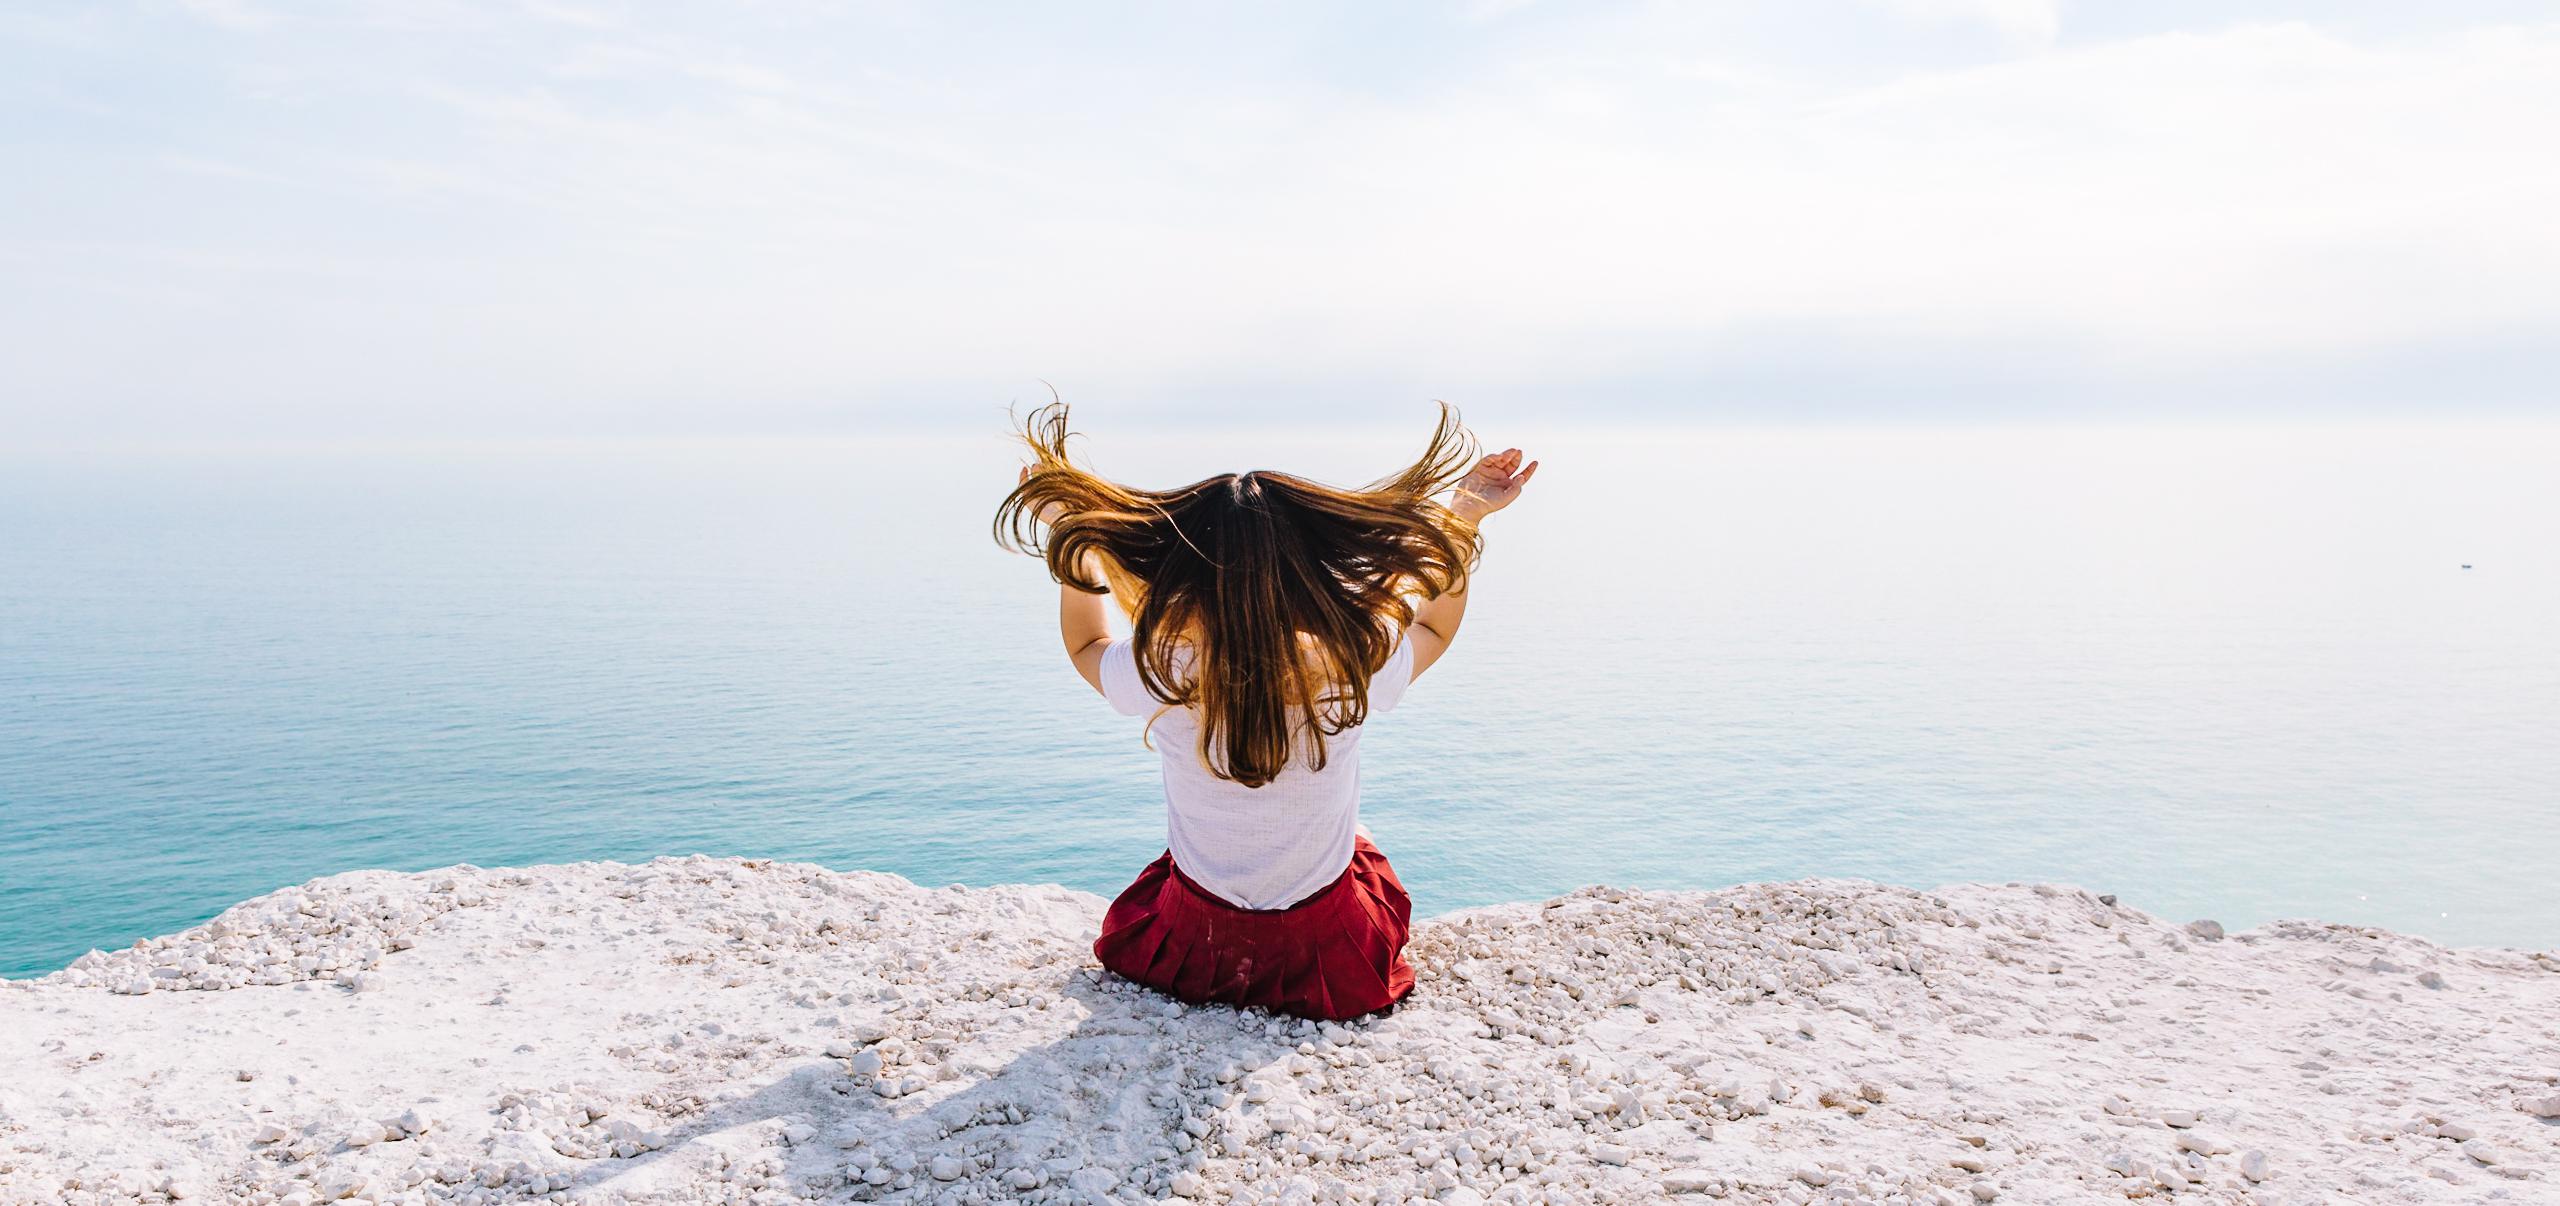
1493, 484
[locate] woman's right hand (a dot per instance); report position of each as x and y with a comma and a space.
1493, 484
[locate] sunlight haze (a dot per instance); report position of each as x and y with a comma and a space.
267, 220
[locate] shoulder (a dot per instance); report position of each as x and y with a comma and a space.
1125, 687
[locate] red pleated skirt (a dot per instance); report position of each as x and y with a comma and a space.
1337, 954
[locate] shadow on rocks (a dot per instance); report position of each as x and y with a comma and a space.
1120, 1104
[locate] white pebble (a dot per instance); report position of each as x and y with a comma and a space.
2202, 1143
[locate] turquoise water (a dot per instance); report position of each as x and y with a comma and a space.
2231, 673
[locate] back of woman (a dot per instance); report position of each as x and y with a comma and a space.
1271, 617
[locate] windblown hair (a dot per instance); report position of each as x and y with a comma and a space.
1288, 593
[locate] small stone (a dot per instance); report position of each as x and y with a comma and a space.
2428, 979
1970, 1162
2455, 1131
1812, 1176
268, 1133
949, 1168
866, 1063
1186, 1184
2253, 1165
2179, 1118
1983, 1191
2108, 900
1691, 1180
366, 1134
2480, 1150
2207, 929
2541, 1107
2203, 1143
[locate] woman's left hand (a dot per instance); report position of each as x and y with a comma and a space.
1048, 512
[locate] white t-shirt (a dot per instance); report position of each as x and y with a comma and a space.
1264, 847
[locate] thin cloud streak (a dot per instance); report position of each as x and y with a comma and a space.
539, 219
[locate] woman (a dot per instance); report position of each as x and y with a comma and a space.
1270, 617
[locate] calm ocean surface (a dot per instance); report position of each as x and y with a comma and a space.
2237, 673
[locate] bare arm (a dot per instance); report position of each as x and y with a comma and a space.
1084, 625
1494, 484
1084, 621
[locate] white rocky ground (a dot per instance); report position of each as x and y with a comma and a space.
700, 1030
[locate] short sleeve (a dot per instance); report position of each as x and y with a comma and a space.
1386, 687
1121, 686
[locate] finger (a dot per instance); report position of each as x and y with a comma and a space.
1526, 474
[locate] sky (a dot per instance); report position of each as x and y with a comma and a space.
413, 219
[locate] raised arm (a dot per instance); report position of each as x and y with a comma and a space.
1494, 484
1084, 626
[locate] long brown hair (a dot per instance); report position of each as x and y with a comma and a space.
1291, 593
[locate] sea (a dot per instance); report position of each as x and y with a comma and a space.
2228, 671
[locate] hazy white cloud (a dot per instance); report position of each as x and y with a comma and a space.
2028, 22
234, 14
503, 215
